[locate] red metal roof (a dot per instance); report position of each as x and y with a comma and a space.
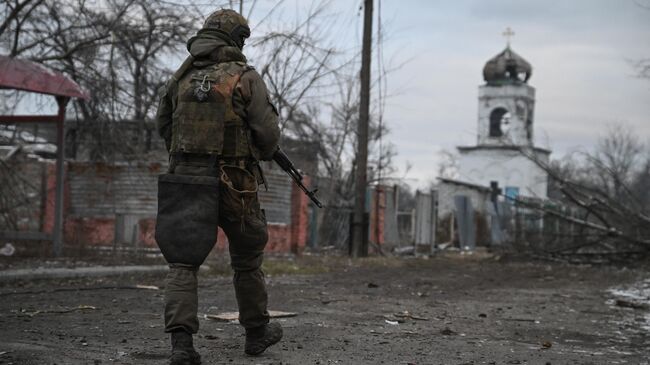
30, 76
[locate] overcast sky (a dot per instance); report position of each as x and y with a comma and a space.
580, 51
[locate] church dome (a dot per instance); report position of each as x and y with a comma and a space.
507, 68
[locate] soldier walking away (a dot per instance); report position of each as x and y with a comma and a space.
218, 123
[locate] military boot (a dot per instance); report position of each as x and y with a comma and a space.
258, 339
183, 352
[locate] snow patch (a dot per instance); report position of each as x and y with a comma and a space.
638, 292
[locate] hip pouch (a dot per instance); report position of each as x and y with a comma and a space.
239, 192
188, 217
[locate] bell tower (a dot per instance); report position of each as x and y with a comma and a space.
505, 129
506, 102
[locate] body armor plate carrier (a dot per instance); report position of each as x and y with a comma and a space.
204, 121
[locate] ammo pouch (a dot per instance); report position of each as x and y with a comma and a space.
188, 216
239, 190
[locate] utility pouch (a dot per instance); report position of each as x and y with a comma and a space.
188, 217
239, 190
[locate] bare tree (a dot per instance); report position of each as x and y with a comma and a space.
600, 195
296, 65
116, 52
448, 165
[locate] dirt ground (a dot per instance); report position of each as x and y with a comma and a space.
444, 310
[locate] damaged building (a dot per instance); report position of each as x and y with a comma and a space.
504, 164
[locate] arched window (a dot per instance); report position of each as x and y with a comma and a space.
499, 122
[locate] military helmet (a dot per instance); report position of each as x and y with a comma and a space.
230, 23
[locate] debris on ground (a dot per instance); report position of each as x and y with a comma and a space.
7, 250
373, 285
24, 312
447, 332
407, 314
456, 332
234, 316
404, 251
532, 320
147, 287
631, 304
547, 344
328, 301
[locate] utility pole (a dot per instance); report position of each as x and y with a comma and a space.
359, 228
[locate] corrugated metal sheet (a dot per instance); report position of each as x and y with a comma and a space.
277, 201
98, 191
425, 221
106, 191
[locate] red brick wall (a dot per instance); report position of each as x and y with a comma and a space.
147, 232
50, 197
299, 217
100, 231
89, 231
279, 239
377, 214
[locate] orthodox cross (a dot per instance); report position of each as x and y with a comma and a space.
508, 33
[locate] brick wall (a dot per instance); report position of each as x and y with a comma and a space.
299, 217
107, 204
377, 214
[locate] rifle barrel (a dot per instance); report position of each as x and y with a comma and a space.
285, 163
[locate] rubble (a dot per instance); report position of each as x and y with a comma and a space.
234, 316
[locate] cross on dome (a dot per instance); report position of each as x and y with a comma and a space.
508, 33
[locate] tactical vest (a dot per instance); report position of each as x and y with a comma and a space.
204, 120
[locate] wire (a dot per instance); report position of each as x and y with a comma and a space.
380, 86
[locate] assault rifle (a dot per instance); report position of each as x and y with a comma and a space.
283, 161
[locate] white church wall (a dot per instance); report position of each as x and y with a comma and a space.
508, 167
506, 106
447, 191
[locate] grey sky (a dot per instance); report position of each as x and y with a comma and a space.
580, 51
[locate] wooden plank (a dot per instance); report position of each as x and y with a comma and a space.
234, 316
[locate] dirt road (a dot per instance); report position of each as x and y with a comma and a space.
449, 310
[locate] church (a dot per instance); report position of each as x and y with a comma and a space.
505, 150
505, 156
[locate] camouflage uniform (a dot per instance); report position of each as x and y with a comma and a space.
250, 134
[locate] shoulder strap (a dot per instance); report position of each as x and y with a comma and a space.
185, 66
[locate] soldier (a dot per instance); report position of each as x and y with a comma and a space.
217, 122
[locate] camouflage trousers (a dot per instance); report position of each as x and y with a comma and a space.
247, 236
